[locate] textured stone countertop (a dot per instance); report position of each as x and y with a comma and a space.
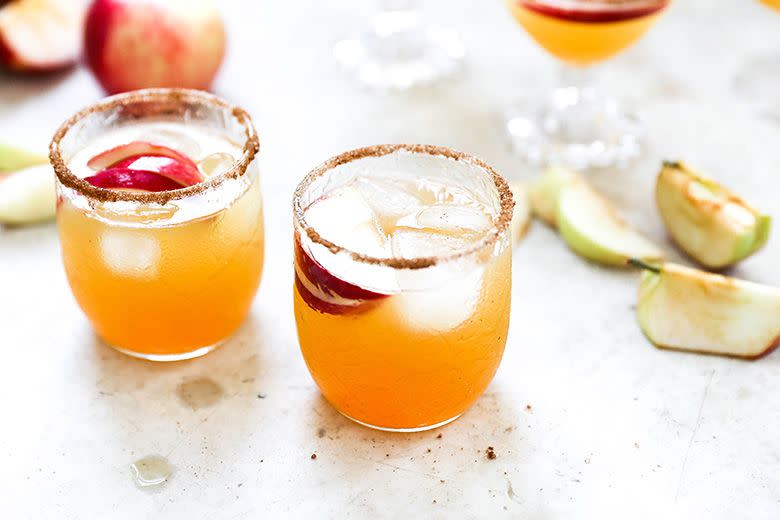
587, 419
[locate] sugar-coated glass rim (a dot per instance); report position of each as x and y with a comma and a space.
68, 178
490, 237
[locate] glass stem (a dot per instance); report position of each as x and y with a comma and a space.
574, 76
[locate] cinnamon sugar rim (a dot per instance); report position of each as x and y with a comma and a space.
239, 167
490, 237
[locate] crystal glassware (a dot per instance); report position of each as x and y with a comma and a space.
402, 282
576, 124
400, 49
758, 83
160, 219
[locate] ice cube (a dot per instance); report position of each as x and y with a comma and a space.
131, 253
389, 198
410, 243
449, 218
440, 308
178, 140
215, 163
345, 218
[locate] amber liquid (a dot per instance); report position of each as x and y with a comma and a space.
582, 38
376, 368
158, 290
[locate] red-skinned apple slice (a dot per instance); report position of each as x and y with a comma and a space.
128, 179
323, 291
174, 169
142, 155
40, 35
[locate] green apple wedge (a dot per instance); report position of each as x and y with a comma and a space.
13, 158
27, 195
592, 228
543, 193
687, 309
706, 220
521, 215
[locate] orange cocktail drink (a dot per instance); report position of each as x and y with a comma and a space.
583, 32
575, 124
402, 282
160, 219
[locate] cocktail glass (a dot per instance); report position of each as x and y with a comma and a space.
402, 282
161, 275
400, 49
576, 124
758, 83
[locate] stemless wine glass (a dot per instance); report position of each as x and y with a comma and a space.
402, 282
161, 275
400, 49
759, 82
576, 124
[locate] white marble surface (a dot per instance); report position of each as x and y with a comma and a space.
615, 427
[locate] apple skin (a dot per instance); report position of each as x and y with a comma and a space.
593, 229
686, 309
40, 36
695, 211
141, 155
13, 158
164, 43
545, 191
28, 195
128, 179
325, 292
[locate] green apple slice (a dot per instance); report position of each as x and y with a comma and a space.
591, 227
687, 309
544, 192
27, 195
521, 215
13, 158
711, 224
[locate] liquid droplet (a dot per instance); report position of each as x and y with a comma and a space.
151, 472
200, 392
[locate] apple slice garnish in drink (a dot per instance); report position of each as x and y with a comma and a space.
130, 179
142, 155
346, 219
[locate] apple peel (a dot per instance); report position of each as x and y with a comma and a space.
183, 170
129, 179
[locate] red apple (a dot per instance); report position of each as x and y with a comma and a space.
141, 155
40, 35
325, 292
133, 44
127, 179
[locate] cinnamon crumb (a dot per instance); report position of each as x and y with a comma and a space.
490, 453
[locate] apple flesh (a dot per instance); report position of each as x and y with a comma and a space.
40, 35
545, 191
708, 222
13, 158
687, 309
591, 227
141, 155
134, 44
28, 195
129, 179
521, 215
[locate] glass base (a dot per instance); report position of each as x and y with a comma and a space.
578, 127
758, 84
401, 430
400, 52
179, 356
